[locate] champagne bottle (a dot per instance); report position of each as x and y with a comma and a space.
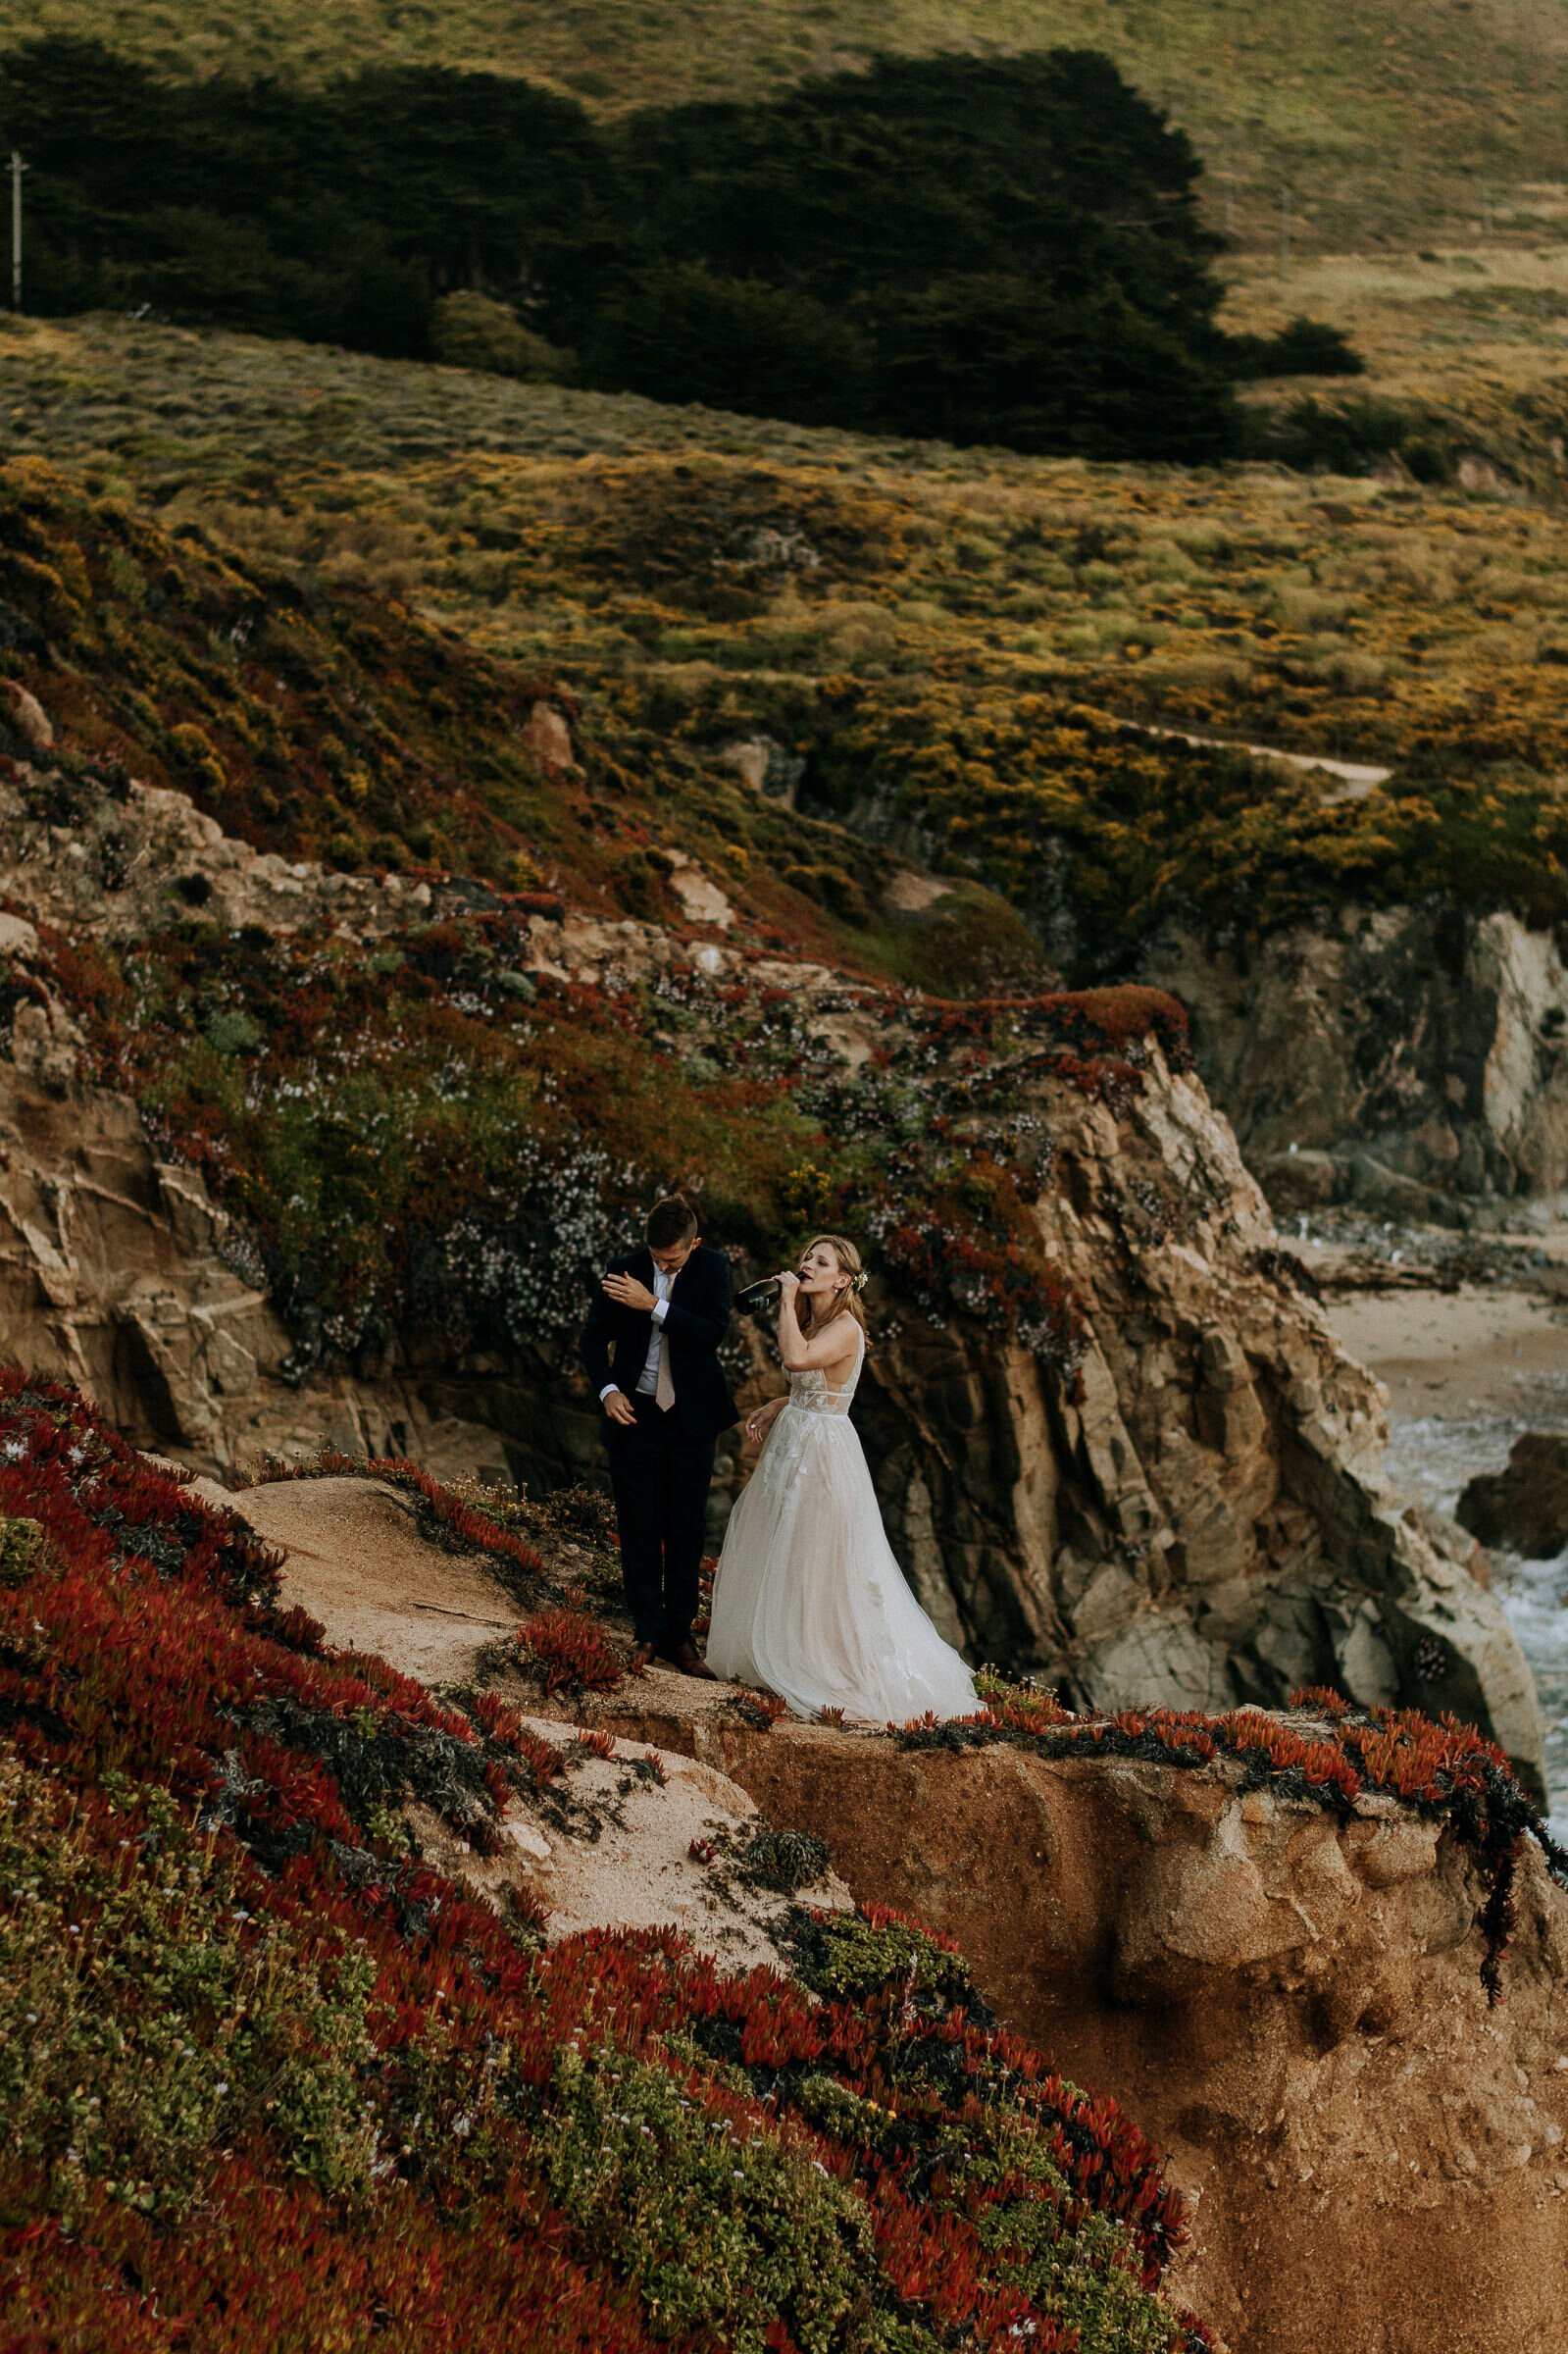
756, 1296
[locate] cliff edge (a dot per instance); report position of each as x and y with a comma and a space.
1282, 1971
1117, 1445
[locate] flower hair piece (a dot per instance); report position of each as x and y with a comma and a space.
857, 1282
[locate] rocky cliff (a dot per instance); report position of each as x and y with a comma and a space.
1410, 1062
1125, 1452
1289, 2001
1282, 1973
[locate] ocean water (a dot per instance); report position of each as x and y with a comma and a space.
1429, 1460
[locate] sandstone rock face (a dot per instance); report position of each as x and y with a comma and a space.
1290, 2003
1525, 1507
117, 1272
1200, 1519
548, 733
1414, 1063
1193, 1516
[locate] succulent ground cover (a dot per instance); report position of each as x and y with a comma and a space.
269, 2078
1328, 1753
432, 1133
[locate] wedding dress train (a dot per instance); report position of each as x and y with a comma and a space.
808, 1601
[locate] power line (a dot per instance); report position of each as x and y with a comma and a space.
18, 166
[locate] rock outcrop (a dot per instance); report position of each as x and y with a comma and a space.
1184, 1509
1526, 1505
1412, 1062
117, 1272
1200, 1517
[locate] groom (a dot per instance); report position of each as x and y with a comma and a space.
651, 1348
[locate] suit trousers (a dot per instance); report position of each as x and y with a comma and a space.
660, 1478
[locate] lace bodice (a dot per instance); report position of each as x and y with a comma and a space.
809, 1390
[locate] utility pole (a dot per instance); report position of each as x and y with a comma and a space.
1284, 233
18, 166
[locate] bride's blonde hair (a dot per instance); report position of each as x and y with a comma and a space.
849, 1300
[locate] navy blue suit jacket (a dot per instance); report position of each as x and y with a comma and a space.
615, 1340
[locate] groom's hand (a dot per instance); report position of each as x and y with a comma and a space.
619, 1408
627, 1292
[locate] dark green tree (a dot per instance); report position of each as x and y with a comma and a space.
986, 250
336, 213
679, 331
1015, 243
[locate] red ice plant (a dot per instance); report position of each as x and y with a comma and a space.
145, 1665
570, 1649
1442, 1768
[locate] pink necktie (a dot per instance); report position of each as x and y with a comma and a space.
664, 1387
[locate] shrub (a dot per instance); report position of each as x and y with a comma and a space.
472, 330
413, 1146
22, 1551
1305, 347
680, 331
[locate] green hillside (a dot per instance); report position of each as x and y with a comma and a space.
1388, 124
934, 645
330, 724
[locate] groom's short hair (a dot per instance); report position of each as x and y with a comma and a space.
671, 1222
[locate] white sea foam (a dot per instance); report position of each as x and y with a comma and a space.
1431, 1460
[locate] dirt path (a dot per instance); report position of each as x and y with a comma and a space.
1356, 777
356, 1561
616, 1841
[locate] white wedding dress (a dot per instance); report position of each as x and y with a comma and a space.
808, 1601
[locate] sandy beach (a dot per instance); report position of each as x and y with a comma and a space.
1474, 1353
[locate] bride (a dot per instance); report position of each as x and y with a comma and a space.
808, 1601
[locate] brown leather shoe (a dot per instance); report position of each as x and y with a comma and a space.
691, 1662
642, 1657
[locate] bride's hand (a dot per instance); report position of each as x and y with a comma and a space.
763, 1417
788, 1282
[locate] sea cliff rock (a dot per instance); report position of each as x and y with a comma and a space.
1526, 1505
1291, 2004
1406, 1060
1199, 1519
1181, 1504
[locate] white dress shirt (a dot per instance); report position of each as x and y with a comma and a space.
648, 1378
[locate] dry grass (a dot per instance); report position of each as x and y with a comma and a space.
1386, 123
606, 534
